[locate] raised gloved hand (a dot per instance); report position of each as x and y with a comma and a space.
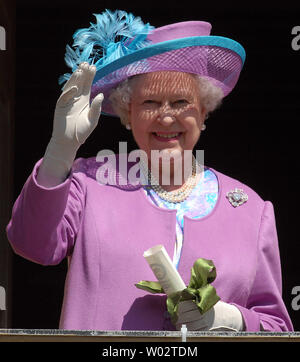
74, 121
221, 317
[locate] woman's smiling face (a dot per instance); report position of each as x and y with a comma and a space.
165, 111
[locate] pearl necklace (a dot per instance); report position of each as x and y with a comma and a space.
178, 195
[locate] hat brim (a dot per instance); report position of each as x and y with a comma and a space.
217, 58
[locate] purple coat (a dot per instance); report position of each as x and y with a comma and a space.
105, 230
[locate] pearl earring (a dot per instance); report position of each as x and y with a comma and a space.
128, 126
203, 127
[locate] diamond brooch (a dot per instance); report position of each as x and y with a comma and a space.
237, 197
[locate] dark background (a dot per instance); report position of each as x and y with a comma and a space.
252, 137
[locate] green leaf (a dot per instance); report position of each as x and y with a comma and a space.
152, 287
203, 272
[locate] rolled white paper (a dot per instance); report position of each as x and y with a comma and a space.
164, 270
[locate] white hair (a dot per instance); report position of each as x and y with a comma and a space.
120, 97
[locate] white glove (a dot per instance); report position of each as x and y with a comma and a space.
74, 121
221, 317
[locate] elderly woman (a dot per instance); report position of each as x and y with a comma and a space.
162, 83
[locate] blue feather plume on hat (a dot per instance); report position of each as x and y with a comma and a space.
114, 35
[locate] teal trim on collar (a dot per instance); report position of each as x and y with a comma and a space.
166, 46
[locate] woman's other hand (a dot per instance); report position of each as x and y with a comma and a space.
221, 317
